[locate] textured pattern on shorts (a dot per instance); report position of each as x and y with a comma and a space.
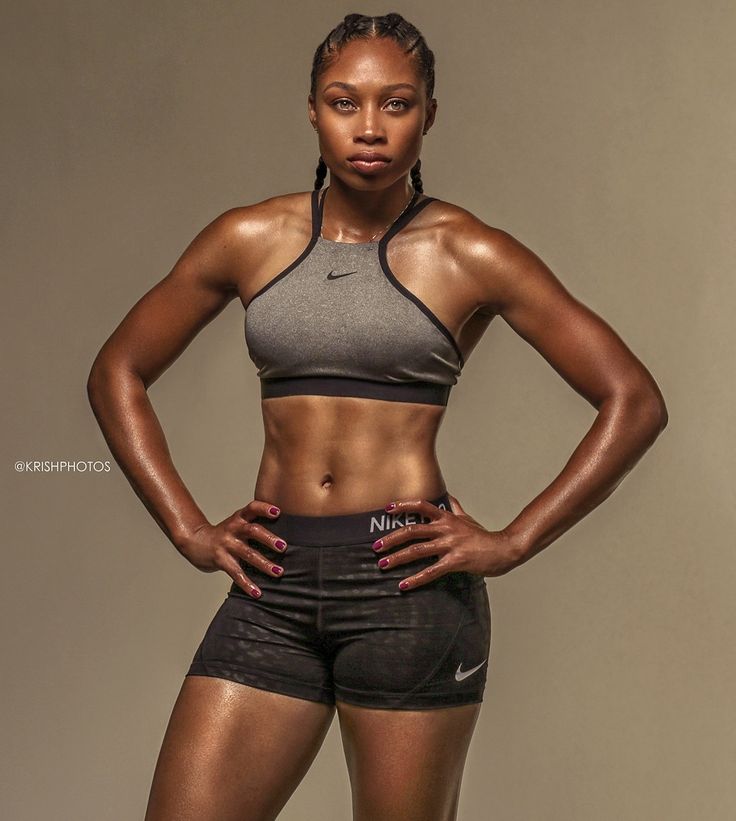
335, 624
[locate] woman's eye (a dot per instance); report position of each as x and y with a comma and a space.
395, 105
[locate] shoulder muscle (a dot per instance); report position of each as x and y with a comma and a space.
581, 346
160, 325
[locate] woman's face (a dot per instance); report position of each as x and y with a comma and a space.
370, 99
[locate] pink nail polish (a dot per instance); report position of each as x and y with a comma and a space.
277, 569
390, 506
403, 585
274, 511
280, 543
255, 593
383, 563
378, 544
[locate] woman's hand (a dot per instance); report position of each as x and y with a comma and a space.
218, 547
456, 537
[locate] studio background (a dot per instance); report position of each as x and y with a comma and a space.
600, 135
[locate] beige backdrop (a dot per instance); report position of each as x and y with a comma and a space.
601, 134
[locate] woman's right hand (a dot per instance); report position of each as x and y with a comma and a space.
218, 547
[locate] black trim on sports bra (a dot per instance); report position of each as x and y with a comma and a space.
316, 228
412, 209
427, 393
408, 215
304, 254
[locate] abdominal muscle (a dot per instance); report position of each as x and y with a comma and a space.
328, 455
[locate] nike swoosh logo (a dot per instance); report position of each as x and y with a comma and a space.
460, 675
337, 276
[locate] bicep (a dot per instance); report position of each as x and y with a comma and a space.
164, 321
579, 344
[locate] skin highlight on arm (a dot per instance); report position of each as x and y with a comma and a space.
591, 357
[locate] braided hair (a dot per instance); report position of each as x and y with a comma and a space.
366, 27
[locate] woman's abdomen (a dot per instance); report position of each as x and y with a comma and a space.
331, 455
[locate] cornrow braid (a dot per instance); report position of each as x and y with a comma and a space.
416, 177
321, 172
393, 21
393, 25
366, 27
350, 23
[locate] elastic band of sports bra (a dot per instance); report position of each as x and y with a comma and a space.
427, 393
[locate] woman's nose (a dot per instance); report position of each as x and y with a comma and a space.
371, 125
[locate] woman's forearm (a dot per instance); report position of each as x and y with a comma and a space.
624, 429
136, 440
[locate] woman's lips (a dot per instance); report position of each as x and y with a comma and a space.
368, 165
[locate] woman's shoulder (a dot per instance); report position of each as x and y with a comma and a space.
262, 218
248, 233
462, 231
503, 269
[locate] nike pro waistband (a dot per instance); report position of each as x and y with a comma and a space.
345, 529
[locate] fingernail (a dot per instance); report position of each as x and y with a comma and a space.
390, 506
277, 569
280, 543
255, 593
383, 563
403, 585
378, 544
274, 511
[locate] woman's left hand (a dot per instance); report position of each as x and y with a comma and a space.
461, 543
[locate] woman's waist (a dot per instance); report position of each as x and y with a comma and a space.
342, 424
341, 483
351, 526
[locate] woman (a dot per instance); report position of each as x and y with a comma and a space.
357, 579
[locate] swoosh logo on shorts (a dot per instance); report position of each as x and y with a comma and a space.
461, 674
337, 276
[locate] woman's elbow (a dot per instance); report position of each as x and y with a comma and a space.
646, 406
106, 376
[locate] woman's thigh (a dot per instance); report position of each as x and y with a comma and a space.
406, 765
232, 751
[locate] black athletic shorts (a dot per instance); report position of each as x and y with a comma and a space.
336, 625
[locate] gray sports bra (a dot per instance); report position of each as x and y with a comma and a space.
337, 322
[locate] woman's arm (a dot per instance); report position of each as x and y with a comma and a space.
148, 340
594, 361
